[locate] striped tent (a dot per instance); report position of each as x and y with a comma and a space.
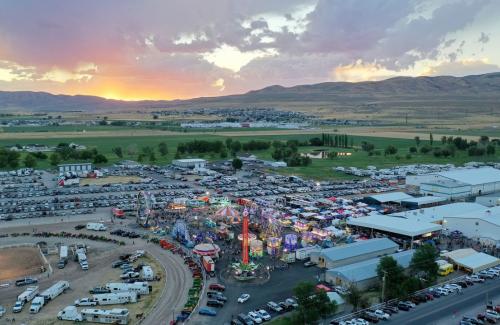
231, 215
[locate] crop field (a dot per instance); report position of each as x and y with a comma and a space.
319, 169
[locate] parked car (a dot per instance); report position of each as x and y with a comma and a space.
255, 317
207, 311
216, 287
263, 314
85, 302
403, 306
381, 314
292, 302
476, 278
215, 303
472, 320
309, 264
274, 306
26, 281
99, 290
243, 298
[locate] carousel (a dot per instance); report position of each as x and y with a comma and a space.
228, 215
207, 249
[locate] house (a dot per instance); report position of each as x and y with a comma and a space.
193, 163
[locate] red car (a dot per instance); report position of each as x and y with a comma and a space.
217, 287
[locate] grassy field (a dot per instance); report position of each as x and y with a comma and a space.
320, 169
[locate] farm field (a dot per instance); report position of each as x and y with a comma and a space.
319, 169
17, 262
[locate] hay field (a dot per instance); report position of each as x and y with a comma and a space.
110, 180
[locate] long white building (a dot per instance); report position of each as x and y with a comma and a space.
457, 183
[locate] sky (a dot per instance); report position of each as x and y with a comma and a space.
177, 49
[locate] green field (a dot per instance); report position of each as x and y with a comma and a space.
320, 169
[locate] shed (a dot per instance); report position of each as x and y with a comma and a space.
333, 296
471, 260
423, 201
395, 225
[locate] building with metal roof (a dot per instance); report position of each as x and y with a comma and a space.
195, 163
395, 225
351, 253
422, 202
438, 213
489, 200
470, 260
391, 197
460, 182
482, 224
364, 274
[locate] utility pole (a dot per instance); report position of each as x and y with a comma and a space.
383, 285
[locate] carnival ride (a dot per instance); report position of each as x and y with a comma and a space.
228, 214
146, 214
180, 233
245, 270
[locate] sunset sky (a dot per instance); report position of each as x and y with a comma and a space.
167, 49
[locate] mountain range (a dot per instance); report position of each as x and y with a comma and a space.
482, 90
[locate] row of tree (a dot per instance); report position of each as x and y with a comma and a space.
332, 140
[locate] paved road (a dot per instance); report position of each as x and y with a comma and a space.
442, 310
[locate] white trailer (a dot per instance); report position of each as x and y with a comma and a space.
147, 273
96, 226
63, 256
304, 253
112, 316
28, 294
70, 313
141, 288
115, 298
82, 259
55, 290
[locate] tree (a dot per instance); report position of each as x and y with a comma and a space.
443, 139
355, 298
235, 146
100, 159
30, 161
390, 150
393, 273
118, 151
424, 263
228, 143
163, 148
313, 304
490, 150
152, 157
54, 159
431, 139
413, 149
425, 149
417, 141
237, 163
316, 142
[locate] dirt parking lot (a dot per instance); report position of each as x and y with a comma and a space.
19, 261
110, 180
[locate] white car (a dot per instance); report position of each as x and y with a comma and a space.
85, 302
442, 291
244, 297
255, 317
18, 306
360, 321
2, 310
493, 271
274, 306
476, 278
264, 314
381, 315
453, 287
130, 275
292, 302
492, 314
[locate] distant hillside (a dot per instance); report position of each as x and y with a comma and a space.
481, 92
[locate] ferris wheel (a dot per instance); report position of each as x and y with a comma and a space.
146, 215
